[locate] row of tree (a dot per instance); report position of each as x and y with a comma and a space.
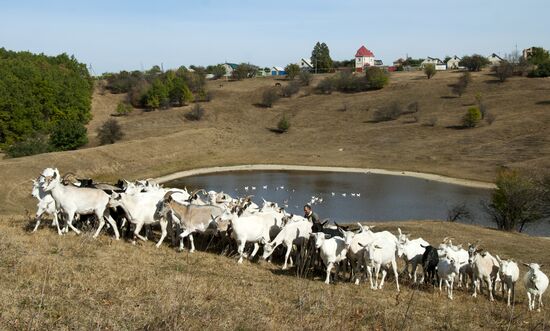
45, 102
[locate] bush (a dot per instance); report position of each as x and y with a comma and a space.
429, 70
109, 132
471, 118
326, 86
503, 71
376, 78
458, 212
348, 83
489, 118
283, 125
290, 89
123, 109
432, 121
305, 78
68, 135
244, 70
474, 63
517, 201
196, 113
292, 70
412, 108
29, 146
541, 70
460, 87
390, 113
269, 97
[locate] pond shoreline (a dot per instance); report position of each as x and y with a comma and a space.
284, 167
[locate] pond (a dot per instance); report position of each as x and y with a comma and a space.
348, 197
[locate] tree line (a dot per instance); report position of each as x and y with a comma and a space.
45, 102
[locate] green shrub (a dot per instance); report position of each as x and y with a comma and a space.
471, 118
283, 125
123, 109
376, 78
68, 135
541, 70
463, 81
429, 70
196, 113
517, 201
29, 146
269, 97
109, 132
292, 70
474, 62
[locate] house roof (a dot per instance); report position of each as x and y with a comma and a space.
306, 62
232, 65
279, 68
363, 52
454, 58
494, 55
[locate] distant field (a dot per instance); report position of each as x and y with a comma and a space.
235, 131
76, 282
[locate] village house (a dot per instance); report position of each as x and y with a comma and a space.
439, 65
363, 58
229, 67
305, 65
526, 53
453, 63
494, 59
278, 71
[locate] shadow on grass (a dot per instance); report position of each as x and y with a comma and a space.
276, 130
457, 127
260, 105
544, 102
448, 97
492, 81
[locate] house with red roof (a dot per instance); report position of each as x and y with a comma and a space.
363, 58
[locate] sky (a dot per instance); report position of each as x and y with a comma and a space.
119, 35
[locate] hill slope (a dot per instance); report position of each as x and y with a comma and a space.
235, 131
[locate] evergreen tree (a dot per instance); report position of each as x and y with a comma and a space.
320, 58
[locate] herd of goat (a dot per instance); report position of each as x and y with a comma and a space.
241, 221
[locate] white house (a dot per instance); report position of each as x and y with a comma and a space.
439, 65
453, 62
494, 59
363, 58
229, 67
305, 65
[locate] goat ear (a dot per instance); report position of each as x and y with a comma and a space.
399, 230
541, 265
498, 259
377, 247
525, 264
361, 244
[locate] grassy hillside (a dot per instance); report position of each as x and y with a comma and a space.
235, 131
76, 282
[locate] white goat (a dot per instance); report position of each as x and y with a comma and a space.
380, 253
411, 251
536, 283
75, 200
293, 233
332, 250
485, 269
509, 274
447, 270
45, 205
360, 240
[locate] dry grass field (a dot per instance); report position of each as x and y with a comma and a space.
78, 283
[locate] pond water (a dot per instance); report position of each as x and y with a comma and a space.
347, 197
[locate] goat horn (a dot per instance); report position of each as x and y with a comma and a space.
192, 194
168, 196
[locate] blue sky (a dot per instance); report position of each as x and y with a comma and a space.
116, 35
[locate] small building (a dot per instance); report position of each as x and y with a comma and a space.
305, 65
378, 63
527, 53
278, 71
494, 59
453, 63
363, 58
439, 65
229, 67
